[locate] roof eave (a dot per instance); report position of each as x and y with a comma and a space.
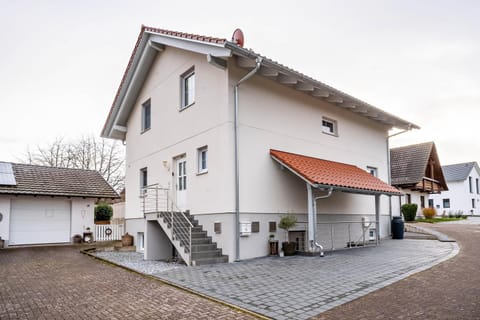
320, 90
143, 57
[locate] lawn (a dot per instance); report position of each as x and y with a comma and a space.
439, 219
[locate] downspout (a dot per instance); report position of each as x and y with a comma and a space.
237, 167
389, 170
318, 245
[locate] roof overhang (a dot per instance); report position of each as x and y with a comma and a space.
277, 72
148, 46
372, 186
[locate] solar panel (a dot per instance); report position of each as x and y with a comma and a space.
7, 177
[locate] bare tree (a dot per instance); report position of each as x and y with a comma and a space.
87, 152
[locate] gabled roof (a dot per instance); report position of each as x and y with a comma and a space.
339, 176
459, 171
153, 40
409, 164
51, 181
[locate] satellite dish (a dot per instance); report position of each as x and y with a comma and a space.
238, 37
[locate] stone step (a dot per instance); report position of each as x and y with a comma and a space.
205, 261
206, 240
204, 247
199, 235
207, 254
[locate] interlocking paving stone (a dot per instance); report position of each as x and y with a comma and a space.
339, 277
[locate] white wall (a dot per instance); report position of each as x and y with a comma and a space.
460, 196
82, 215
175, 132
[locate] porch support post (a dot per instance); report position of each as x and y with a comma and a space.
311, 219
377, 216
390, 215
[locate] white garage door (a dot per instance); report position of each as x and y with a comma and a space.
36, 221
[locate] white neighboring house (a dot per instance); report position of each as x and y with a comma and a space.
44, 205
463, 195
222, 142
417, 172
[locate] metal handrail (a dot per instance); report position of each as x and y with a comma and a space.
361, 240
162, 201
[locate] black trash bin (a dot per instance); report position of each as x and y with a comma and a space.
397, 228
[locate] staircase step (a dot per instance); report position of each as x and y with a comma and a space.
197, 235
204, 261
207, 254
204, 247
206, 240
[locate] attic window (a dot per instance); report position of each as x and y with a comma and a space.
187, 82
329, 126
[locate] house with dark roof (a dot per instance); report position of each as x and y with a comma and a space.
463, 195
416, 171
44, 205
222, 142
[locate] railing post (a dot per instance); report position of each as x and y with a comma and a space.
156, 199
331, 235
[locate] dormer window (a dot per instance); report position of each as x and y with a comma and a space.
187, 83
329, 126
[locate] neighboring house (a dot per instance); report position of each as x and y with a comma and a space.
40, 205
463, 195
417, 172
210, 128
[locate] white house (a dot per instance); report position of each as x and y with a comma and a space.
217, 138
43, 205
463, 195
417, 172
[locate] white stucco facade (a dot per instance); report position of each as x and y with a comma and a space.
462, 197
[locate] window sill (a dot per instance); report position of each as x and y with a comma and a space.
330, 134
146, 130
186, 107
202, 173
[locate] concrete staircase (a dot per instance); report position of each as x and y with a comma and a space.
203, 250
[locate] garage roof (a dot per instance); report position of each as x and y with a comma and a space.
51, 181
330, 174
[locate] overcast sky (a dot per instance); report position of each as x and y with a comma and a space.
61, 61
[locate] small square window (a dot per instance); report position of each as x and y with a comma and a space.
446, 203
217, 227
143, 178
202, 155
187, 82
146, 115
373, 171
329, 126
255, 226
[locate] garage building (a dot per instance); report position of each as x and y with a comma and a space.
46, 205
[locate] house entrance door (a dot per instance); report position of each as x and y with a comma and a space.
181, 182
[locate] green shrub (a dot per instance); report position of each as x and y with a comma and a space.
103, 212
429, 213
409, 211
287, 222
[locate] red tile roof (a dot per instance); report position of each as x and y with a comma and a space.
330, 173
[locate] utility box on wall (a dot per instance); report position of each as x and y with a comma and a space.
245, 228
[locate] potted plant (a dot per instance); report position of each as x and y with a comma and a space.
286, 223
103, 213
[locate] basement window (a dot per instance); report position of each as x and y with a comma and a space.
329, 126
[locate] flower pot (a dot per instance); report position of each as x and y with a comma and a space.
288, 248
127, 240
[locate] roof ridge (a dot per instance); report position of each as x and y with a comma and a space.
50, 167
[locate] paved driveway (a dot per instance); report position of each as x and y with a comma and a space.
300, 287
450, 290
61, 283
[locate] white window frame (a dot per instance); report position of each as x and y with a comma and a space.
187, 88
147, 105
202, 160
445, 201
373, 171
330, 130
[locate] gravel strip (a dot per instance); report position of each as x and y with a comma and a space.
134, 260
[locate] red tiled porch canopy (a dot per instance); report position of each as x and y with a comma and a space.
329, 174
